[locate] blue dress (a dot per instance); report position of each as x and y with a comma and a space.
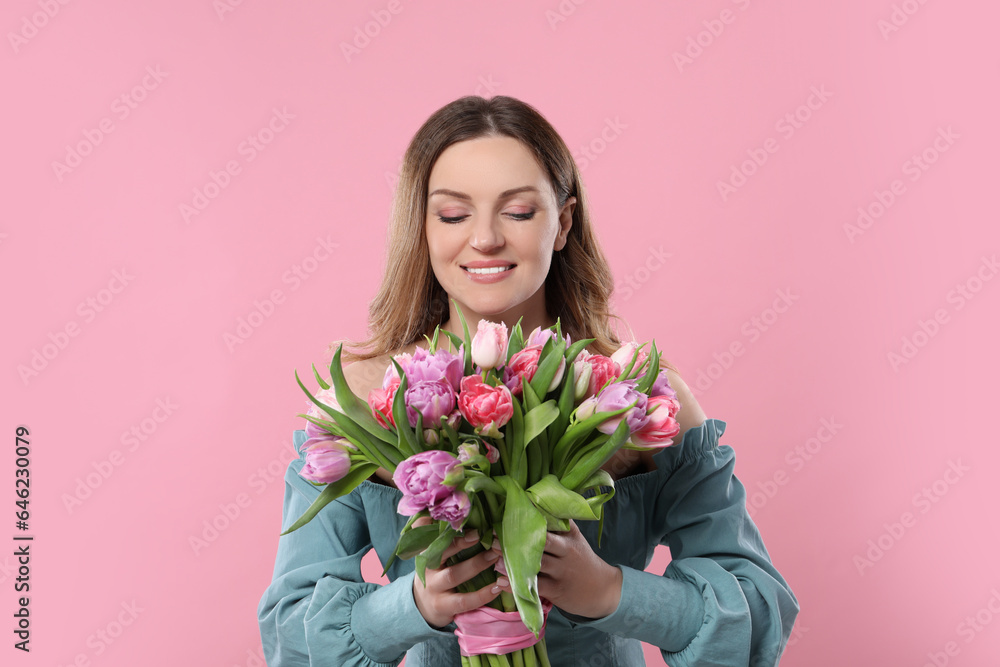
720, 601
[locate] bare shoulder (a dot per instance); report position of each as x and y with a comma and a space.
364, 375
690, 415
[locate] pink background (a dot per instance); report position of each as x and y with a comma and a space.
890, 554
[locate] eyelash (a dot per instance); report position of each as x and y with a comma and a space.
516, 216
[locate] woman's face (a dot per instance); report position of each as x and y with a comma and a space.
490, 205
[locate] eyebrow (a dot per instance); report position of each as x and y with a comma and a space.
503, 195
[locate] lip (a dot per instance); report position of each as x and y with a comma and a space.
487, 264
489, 278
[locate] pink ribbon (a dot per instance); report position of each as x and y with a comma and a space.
489, 630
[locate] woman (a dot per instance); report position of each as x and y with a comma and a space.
490, 213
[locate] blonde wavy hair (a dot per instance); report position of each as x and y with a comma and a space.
410, 302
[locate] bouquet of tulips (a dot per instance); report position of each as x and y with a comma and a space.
506, 436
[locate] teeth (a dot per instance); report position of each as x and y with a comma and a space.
493, 269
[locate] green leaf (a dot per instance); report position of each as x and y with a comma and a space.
550, 495
515, 341
325, 424
334, 490
406, 440
431, 556
466, 339
578, 432
565, 407
573, 350
451, 433
416, 540
432, 348
580, 469
523, 540
652, 372
319, 380
455, 340
482, 483
406, 529
351, 430
515, 442
355, 408
597, 481
538, 419
531, 400
548, 365
554, 522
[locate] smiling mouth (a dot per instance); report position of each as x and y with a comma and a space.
488, 271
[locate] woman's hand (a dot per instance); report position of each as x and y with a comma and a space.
576, 579
438, 601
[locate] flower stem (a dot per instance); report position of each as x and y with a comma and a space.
543, 653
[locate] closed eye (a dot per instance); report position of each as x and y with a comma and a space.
515, 216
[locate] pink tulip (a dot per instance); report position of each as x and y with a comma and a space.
486, 408
525, 364
380, 401
582, 371
624, 355
661, 427
489, 346
602, 369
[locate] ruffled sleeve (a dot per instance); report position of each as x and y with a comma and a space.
720, 602
318, 610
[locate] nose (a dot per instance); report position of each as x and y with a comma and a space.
485, 234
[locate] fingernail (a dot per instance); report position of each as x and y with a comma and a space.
492, 556
495, 589
503, 581
472, 535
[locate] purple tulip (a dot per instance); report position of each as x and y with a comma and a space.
327, 460
661, 386
431, 398
452, 509
421, 478
538, 336
616, 396
422, 365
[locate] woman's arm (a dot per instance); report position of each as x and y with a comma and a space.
318, 610
720, 595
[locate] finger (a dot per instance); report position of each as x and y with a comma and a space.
555, 543
550, 565
462, 572
462, 602
460, 543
